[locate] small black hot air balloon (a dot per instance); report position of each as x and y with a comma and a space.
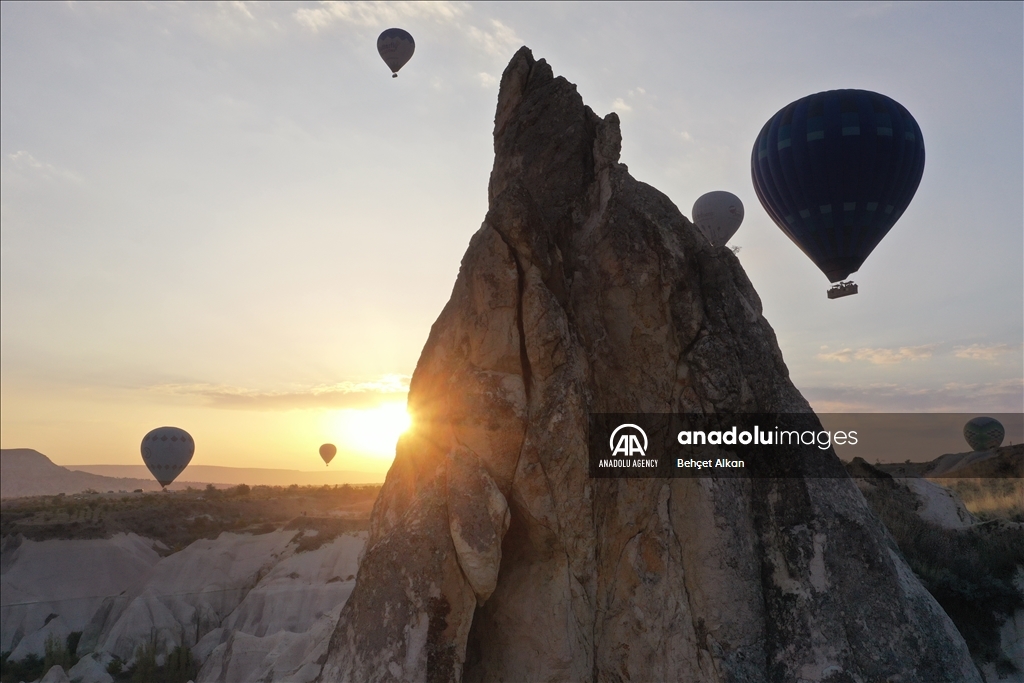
327, 452
167, 451
395, 47
835, 171
984, 433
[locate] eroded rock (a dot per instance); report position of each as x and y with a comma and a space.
587, 291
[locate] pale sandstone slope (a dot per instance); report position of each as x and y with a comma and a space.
256, 603
51, 588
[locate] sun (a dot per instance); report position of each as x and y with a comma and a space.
371, 431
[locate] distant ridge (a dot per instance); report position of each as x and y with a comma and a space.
253, 476
1002, 462
27, 472
1006, 461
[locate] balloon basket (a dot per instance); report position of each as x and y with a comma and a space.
842, 289
394, 75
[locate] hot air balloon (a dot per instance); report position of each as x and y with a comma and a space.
835, 171
167, 451
984, 433
395, 47
327, 452
718, 216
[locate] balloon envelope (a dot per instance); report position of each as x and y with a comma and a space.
395, 47
984, 433
327, 452
835, 171
167, 451
718, 216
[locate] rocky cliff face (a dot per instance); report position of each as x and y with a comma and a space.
493, 556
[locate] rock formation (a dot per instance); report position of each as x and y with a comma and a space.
493, 556
52, 588
261, 607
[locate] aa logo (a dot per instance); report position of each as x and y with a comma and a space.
628, 442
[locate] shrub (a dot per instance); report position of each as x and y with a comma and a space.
28, 669
115, 667
180, 666
56, 654
969, 571
145, 670
72, 643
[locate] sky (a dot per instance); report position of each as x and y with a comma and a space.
228, 217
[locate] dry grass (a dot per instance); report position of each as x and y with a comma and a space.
970, 572
180, 517
989, 499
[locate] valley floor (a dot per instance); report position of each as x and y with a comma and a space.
247, 584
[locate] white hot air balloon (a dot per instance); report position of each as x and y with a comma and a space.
166, 452
718, 216
395, 47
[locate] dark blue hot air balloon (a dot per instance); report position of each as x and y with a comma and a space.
835, 171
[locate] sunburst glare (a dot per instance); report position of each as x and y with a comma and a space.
370, 431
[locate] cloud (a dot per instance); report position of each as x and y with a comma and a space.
387, 389
226, 22
23, 164
953, 397
496, 41
982, 352
882, 356
487, 80
223, 23
376, 14
634, 97
879, 356
493, 38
